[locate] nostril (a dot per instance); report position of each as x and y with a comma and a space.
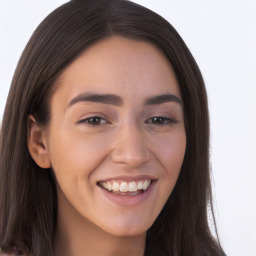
132, 157
131, 146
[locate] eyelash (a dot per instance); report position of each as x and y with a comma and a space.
161, 120
156, 120
91, 120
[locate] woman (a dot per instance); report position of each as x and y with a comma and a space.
105, 139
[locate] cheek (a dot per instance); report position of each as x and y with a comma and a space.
77, 152
74, 158
171, 150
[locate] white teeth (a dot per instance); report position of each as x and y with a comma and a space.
115, 186
109, 186
105, 185
140, 185
123, 186
132, 187
145, 185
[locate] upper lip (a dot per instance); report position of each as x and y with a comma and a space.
129, 178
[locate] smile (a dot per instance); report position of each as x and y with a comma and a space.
126, 188
128, 191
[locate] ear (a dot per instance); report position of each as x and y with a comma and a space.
37, 143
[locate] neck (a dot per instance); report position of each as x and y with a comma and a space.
75, 235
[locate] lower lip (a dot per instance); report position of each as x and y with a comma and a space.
129, 200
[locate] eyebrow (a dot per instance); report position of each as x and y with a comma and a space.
112, 99
160, 99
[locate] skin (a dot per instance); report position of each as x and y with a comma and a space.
124, 142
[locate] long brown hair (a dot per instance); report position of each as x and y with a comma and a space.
28, 199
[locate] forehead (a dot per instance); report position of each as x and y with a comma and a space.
129, 68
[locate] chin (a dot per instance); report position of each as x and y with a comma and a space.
127, 233
127, 227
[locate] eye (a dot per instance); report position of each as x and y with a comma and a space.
94, 120
160, 120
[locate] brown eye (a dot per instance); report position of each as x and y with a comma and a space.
94, 120
159, 120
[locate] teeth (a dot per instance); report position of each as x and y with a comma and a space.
123, 186
146, 184
105, 185
140, 185
109, 186
115, 186
132, 187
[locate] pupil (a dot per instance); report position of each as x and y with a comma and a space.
158, 120
94, 120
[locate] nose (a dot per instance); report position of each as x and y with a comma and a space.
130, 147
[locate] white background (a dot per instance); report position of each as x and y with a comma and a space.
221, 35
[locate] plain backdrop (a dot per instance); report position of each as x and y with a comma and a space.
221, 35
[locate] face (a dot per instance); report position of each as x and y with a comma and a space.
116, 138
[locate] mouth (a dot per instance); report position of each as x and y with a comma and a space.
124, 188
